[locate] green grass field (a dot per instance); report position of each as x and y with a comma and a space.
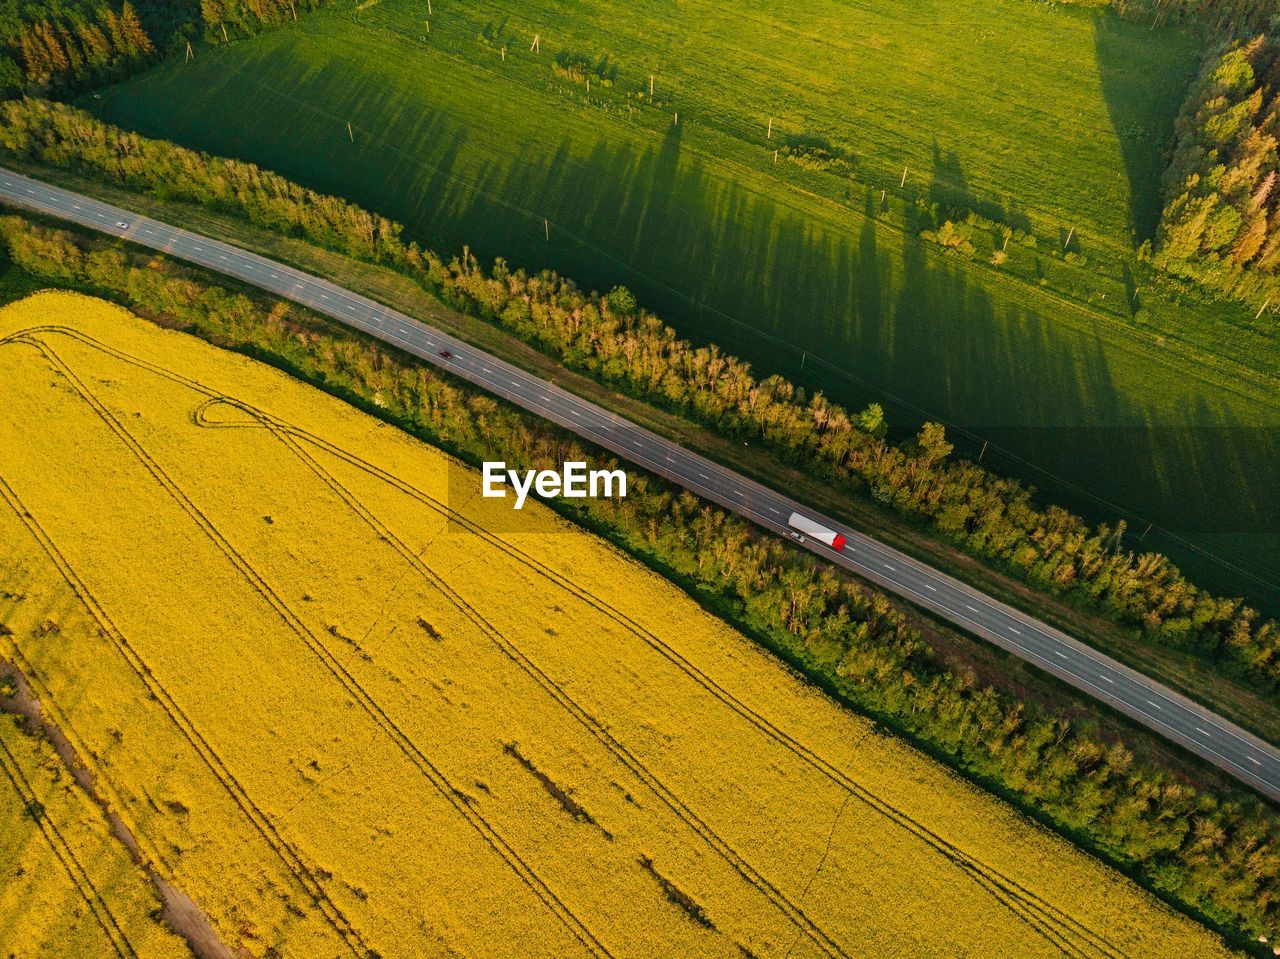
1045, 118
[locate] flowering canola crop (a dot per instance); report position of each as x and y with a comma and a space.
352, 708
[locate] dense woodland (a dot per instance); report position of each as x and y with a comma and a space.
59, 47
66, 44
611, 339
1221, 223
1217, 853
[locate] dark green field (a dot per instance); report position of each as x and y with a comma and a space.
1046, 119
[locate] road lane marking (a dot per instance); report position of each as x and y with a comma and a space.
1014, 629
1059, 653
1156, 705
889, 568
934, 588
1107, 679
972, 609
1201, 731
1254, 761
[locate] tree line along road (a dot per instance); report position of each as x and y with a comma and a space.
1177, 718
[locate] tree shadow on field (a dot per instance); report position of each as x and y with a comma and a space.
820, 292
950, 190
866, 315
1143, 105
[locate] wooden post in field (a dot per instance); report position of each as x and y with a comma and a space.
983, 451
677, 120
546, 228
883, 194
429, 8
769, 135
225, 38
588, 84
428, 24
1070, 234
536, 46
775, 156
351, 133
189, 53
651, 88
1264, 308
504, 54
904, 178
294, 10
1006, 242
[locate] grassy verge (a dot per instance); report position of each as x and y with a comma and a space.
1178, 670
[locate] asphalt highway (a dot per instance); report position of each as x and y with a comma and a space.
1175, 717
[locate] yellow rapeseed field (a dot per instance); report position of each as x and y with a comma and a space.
68, 888
351, 709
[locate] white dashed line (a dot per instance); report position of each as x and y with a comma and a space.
1156, 705
889, 568
972, 609
1254, 761
933, 588
1107, 679
1060, 654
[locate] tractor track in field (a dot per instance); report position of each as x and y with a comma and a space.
488, 833
1009, 892
589, 722
1061, 930
66, 856
1057, 927
284, 433
292, 859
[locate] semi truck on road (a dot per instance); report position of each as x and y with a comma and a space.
819, 532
